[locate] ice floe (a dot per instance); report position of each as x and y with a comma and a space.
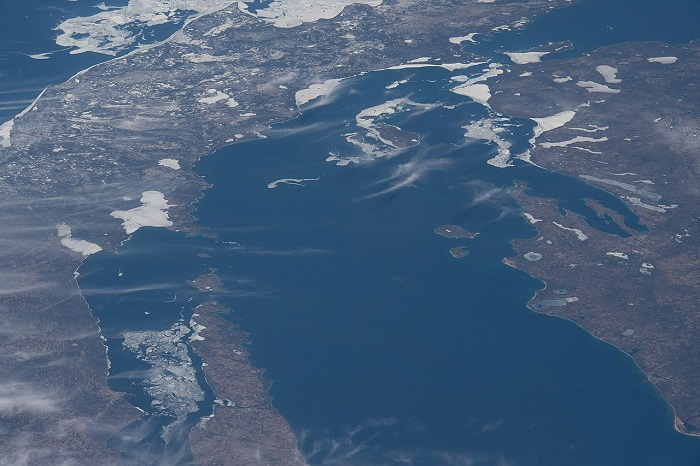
396, 84
81, 246
474, 87
315, 91
152, 213
531, 218
663, 60
468, 38
661, 208
171, 379
643, 193
522, 58
592, 86
592, 129
366, 118
478, 92
552, 122
114, 29
447, 66
41, 56
569, 142
609, 74
292, 181
487, 130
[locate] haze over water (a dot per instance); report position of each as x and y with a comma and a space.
382, 348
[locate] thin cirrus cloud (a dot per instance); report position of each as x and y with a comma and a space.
409, 173
17, 398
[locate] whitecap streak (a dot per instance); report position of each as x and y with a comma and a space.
292, 181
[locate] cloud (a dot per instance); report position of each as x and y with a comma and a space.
318, 127
17, 398
409, 173
134, 289
283, 252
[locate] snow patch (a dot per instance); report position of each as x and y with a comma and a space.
522, 58
580, 235
152, 213
609, 73
5, 132
574, 140
215, 96
315, 91
169, 163
81, 246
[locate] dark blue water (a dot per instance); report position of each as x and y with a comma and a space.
27, 27
384, 349
591, 24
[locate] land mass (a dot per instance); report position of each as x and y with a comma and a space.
112, 150
635, 134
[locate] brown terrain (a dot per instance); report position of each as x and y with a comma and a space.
639, 293
91, 145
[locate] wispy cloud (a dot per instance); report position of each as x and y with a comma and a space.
16, 398
409, 173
